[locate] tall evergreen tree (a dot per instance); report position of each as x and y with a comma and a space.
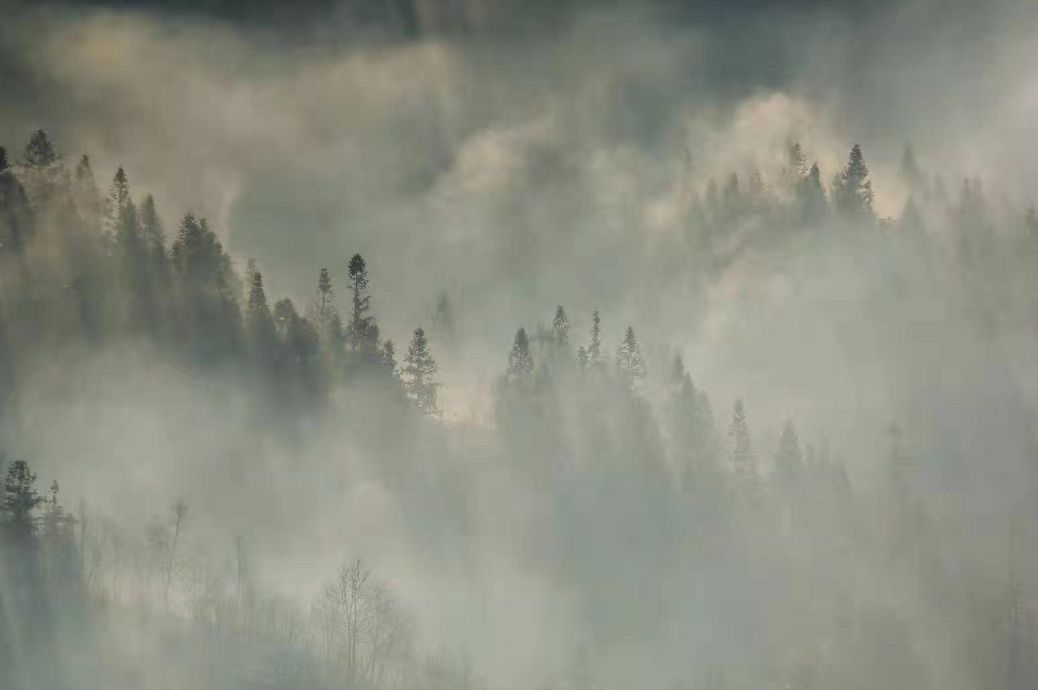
19, 502
740, 448
811, 196
595, 355
520, 361
152, 233
910, 172
123, 223
260, 323
39, 152
419, 371
324, 296
689, 424
15, 211
560, 327
629, 357
86, 197
789, 461
362, 331
852, 190
443, 319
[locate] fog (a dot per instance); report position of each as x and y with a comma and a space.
666, 406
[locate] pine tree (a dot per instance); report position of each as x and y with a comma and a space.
629, 357
41, 171
910, 172
797, 162
15, 210
57, 523
582, 357
324, 296
443, 319
388, 358
153, 235
520, 362
811, 196
595, 356
689, 423
740, 448
19, 502
362, 331
123, 224
39, 152
560, 327
261, 328
852, 190
789, 462
419, 370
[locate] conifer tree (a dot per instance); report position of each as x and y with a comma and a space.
418, 373
39, 152
811, 196
520, 362
15, 211
324, 296
388, 358
595, 356
152, 234
86, 196
689, 423
740, 448
560, 327
789, 460
443, 319
260, 323
41, 170
852, 190
797, 162
124, 229
629, 357
362, 331
19, 502
910, 172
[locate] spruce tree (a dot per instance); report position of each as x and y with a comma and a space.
39, 152
789, 461
595, 356
151, 229
324, 296
740, 449
520, 361
443, 319
811, 196
261, 328
629, 357
124, 228
910, 172
852, 190
19, 502
560, 327
362, 331
418, 373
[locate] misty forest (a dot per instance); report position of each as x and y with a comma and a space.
518, 346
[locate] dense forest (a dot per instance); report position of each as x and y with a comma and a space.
601, 464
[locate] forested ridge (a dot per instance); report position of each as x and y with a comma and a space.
601, 464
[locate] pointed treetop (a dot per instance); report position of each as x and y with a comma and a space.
39, 152
520, 362
560, 326
629, 356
